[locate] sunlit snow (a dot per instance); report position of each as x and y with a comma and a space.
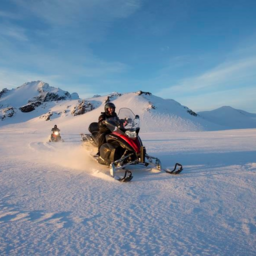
56, 200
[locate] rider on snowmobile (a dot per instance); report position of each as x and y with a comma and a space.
55, 129
108, 114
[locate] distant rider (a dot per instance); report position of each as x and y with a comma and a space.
54, 129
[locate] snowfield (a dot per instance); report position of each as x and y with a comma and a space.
56, 200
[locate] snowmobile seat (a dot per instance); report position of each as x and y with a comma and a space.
93, 128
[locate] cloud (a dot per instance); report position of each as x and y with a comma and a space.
228, 74
60, 50
52, 67
13, 32
213, 100
9, 15
231, 82
63, 22
68, 12
73, 68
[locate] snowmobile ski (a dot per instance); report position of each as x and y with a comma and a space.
158, 166
174, 171
127, 176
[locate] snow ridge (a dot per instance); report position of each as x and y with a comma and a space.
39, 101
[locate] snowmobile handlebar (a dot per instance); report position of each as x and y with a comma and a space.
112, 126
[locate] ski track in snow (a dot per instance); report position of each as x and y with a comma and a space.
56, 200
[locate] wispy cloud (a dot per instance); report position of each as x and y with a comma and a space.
229, 83
13, 32
9, 15
67, 12
50, 66
83, 20
213, 100
224, 75
54, 36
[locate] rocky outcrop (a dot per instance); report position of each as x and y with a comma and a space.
82, 108
5, 90
191, 112
151, 106
7, 112
46, 116
55, 97
112, 96
30, 107
141, 92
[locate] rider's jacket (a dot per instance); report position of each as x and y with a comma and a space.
55, 129
108, 117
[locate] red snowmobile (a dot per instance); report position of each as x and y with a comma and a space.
55, 136
123, 146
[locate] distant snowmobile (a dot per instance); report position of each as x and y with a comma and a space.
55, 137
123, 146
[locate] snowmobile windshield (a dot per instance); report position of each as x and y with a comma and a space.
113, 126
132, 120
112, 123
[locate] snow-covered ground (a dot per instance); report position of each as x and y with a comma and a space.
56, 200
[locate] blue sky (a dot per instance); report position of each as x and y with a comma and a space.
201, 53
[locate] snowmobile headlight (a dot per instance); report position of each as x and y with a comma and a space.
131, 134
56, 133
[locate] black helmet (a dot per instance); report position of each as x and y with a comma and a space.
109, 105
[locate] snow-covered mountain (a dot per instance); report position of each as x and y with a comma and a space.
230, 118
29, 96
38, 102
36, 91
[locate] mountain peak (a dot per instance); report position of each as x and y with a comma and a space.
230, 117
34, 91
